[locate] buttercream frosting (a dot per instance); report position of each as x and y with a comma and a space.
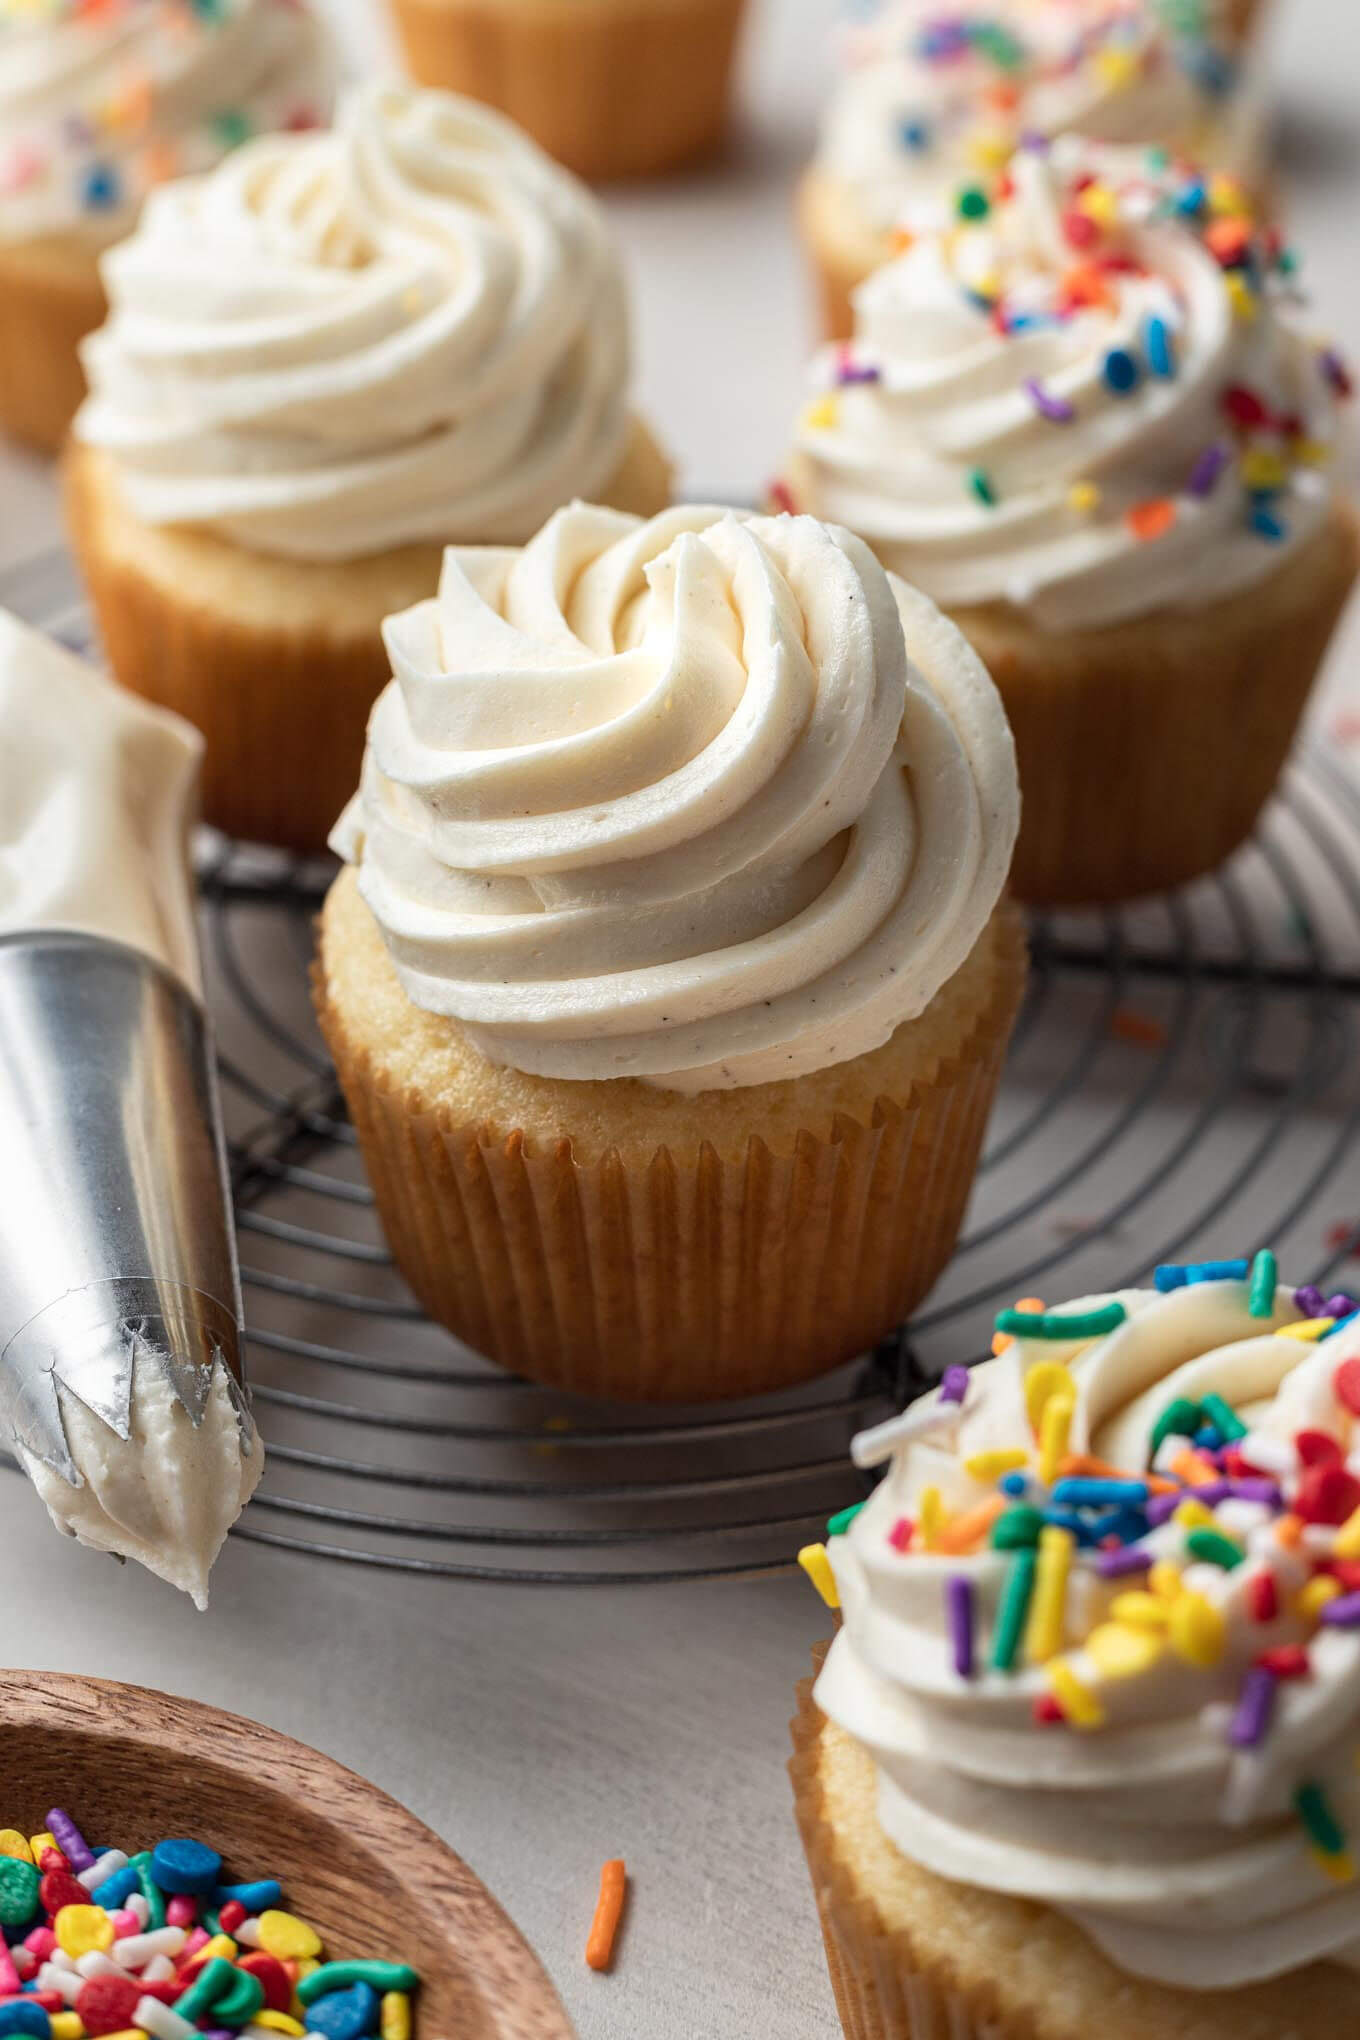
1092, 402
1169, 1756
707, 800
101, 102
411, 327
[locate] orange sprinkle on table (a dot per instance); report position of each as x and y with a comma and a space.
608, 1912
1126, 1025
1152, 519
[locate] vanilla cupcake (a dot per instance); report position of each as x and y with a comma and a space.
99, 101
612, 88
931, 106
671, 978
1082, 1757
1087, 425
323, 361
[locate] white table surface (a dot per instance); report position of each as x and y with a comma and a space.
542, 1730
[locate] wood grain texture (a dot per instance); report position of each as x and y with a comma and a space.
132, 1766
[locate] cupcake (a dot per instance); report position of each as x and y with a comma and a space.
933, 105
1085, 423
324, 360
671, 976
99, 101
612, 88
1082, 1756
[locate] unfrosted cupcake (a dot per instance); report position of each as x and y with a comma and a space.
323, 361
612, 88
1087, 425
1082, 1757
671, 978
100, 100
932, 104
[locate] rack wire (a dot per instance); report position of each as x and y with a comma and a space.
1184, 1079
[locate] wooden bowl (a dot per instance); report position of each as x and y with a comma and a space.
132, 1766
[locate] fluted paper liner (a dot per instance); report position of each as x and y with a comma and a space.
50, 298
611, 88
683, 1277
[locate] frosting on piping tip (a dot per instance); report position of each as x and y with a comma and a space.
410, 327
707, 800
1102, 1622
1087, 398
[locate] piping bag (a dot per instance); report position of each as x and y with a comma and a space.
120, 1309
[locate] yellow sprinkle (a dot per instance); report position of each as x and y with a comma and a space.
1227, 198
1122, 1652
1099, 203
1117, 68
1261, 469
1341, 1869
39, 1845
822, 415
289, 1939
1045, 1629
930, 1517
1054, 1430
1192, 1515
1078, 1703
1309, 1329
1048, 1378
12, 1843
1164, 1580
220, 1944
1314, 1597
83, 1930
1241, 296
987, 1466
67, 2026
1084, 497
1143, 1611
1312, 452
1347, 1543
990, 151
817, 1566
1198, 1632
284, 2022
396, 2016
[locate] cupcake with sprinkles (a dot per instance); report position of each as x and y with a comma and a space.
1087, 419
100, 100
1083, 1754
933, 98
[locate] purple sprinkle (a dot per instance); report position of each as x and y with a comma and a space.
1255, 1705
851, 372
1309, 1300
1339, 1306
1035, 143
1117, 1565
1204, 475
1056, 409
70, 1840
1267, 1492
954, 1384
958, 1595
1342, 1613
1162, 1508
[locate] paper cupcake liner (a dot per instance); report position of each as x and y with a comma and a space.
678, 1278
1148, 750
842, 250
611, 88
49, 301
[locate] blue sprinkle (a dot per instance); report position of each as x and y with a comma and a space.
263, 1896
1266, 524
1121, 371
100, 188
1158, 348
185, 1867
1217, 1271
18, 2017
1170, 1275
345, 2014
1014, 1483
1209, 1438
1209, 68
1340, 1326
1082, 1528
116, 1889
914, 135
1192, 200
1082, 1491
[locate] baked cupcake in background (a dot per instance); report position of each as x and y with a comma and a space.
323, 361
612, 88
1087, 424
1082, 1756
671, 978
100, 100
933, 102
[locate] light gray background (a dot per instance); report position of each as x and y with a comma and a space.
542, 1730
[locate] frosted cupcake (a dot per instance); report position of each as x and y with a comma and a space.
1086, 423
100, 100
612, 88
1082, 1756
933, 102
323, 361
671, 977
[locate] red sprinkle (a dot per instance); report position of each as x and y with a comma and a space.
1290, 1661
106, 2003
781, 495
1263, 1597
1346, 1570
1047, 1711
1227, 240
273, 1978
1238, 1467
1317, 1448
1080, 229
901, 1534
231, 1916
1152, 519
1244, 407
181, 1911
1346, 1385
1327, 1494
59, 1888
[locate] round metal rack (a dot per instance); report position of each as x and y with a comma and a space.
1184, 1080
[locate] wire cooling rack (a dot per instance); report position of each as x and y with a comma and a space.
1184, 1080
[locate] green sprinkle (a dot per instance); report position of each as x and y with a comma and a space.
379, 1976
973, 203
980, 482
1224, 1419
1215, 1549
1157, 159
1265, 1275
150, 1890
1180, 1419
1018, 1529
1310, 1804
1054, 1324
1014, 1609
232, 128
1286, 262
214, 1980
20, 1892
837, 1525
238, 2003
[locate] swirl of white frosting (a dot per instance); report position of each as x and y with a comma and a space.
411, 327
986, 454
1175, 1845
707, 800
935, 96
100, 103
